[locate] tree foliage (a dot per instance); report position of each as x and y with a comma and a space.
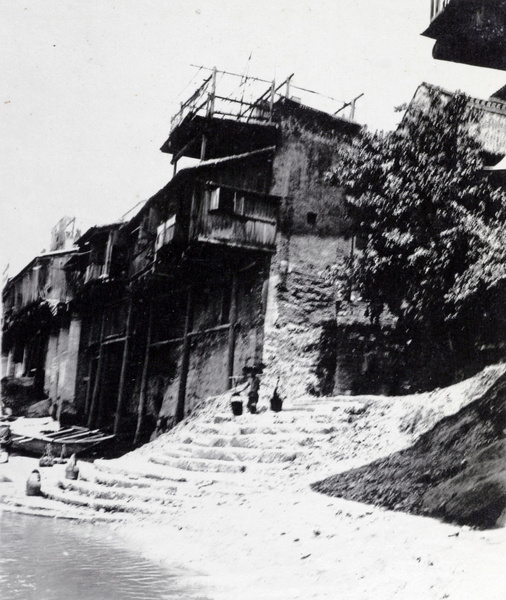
433, 224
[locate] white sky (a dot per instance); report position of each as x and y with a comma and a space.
88, 88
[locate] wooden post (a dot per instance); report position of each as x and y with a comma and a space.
57, 377
352, 109
203, 147
89, 387
144, 379
210, 112
288, 81
232, 332
124, 364
271, 102
185, 361
98, 375
212, 95
106, 269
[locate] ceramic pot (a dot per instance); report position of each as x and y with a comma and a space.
236, 407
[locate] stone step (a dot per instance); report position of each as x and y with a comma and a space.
40, 506
229, 453
270, 418
199, 464
333, 407
94, 490
140, 467
257, 441
237, 429
189, 481
94, 475
102, 504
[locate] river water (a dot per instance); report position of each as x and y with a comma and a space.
57, 559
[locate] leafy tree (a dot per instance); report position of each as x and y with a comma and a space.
433, 225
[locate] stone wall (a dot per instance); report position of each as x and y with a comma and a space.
301, 303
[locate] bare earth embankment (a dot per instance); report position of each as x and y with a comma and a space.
455, 471
245, 516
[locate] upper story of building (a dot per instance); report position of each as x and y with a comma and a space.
230, 114
261, 165
43, 280
472, 32
260, 169
233, 116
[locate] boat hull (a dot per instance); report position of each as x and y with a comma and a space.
62, 442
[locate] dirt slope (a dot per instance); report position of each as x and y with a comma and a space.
455, 471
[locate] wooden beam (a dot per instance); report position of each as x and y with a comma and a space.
185, 361
229, 73
144, 378
124, 363
192, 334
232, 332
89, 387
98, 376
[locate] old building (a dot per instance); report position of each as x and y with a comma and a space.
204, 283
222, 273
41, 333
489, 129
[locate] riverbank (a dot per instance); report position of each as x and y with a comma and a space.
296, 546
270, 536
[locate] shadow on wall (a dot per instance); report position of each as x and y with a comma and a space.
359, 358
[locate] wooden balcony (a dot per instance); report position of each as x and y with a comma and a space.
238, 218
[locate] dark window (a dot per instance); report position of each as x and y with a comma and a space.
311, 218
222, 199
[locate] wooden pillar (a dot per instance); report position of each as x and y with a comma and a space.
89, 387
144, 379
232, 332
203, 147
124, 364
288, 81
98, 375
209, 113
262, 310
185, 361
271, 101
57, 377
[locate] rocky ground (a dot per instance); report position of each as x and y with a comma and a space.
231, 497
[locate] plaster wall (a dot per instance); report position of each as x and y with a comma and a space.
61, 362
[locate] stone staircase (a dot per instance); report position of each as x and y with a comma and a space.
211, 453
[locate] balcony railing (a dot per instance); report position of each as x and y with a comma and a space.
228, 95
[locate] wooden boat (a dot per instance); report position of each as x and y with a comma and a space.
28, 437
